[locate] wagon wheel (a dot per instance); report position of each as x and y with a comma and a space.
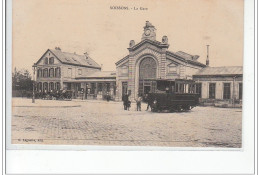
154, 109
179, 108
186, 107
171, 110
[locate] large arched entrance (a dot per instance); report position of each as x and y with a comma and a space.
147, 71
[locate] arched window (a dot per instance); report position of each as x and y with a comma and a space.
45, 87
39, 87
51, 72
51, 60
46, 60
51, 86
147, 68
57, 86
45, 73
57, 72
40, 75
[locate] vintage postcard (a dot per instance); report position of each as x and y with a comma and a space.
127, 73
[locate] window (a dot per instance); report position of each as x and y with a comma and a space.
51, 72
51, 86
79, 71
51, 60
69, 72
240, 91
198, 89
45, 86
39, 86
191, 88
124, 88
99, 87
57, 86
92, 88
226, 92
57, 72
212, 90
108, 87
45, 73
40, 72
46, 60
172, 69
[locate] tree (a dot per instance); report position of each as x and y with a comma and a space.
22, 80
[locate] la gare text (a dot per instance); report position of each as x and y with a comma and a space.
127, 8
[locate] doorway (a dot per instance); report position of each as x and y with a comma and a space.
147, 89
147, 72
124, 88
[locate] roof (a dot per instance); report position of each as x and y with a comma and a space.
100, 74
171, 80
152, 42
191, 59
186, 55
75, 59
228, 70
121, 60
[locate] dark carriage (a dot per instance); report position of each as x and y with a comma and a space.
65, 95
173, 95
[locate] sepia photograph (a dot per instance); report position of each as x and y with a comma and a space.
127, 73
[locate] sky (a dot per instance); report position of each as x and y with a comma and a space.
91, 26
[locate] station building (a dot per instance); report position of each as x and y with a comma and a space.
151, 59
147, 60
220, 86
58, 70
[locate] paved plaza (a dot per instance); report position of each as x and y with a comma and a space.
106, 123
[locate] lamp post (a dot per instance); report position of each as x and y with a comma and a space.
33, 95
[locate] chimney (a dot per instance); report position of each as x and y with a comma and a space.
86, 55
57, 48
101, 67
207, 61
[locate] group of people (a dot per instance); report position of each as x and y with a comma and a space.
138, 100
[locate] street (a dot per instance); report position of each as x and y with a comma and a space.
106, 123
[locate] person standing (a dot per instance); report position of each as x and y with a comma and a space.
138, 103
148, 99
125, 101
108, 97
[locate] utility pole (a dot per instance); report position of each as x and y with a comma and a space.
207, 61
33, 95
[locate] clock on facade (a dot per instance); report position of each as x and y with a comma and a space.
147, 32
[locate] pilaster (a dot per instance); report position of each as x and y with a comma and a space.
131, 74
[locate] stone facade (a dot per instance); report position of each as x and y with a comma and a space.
57, 70
169, 65
51, 70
